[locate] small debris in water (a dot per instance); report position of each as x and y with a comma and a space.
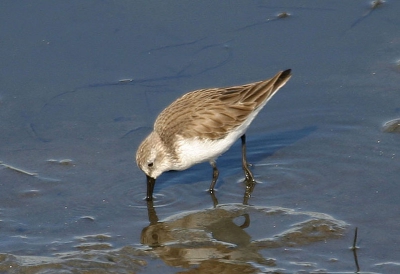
124, 81
279, 16
392, 126
283, 15
377, 3
19, 170
89, 218
29, 193
397, 65
64, 162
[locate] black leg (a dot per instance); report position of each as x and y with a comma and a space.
248, 191
247, 173
215, 176
214, 199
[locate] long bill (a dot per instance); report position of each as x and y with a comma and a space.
150, 187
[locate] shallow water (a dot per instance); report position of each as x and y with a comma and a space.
82, 83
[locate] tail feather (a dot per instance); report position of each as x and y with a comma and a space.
263, 91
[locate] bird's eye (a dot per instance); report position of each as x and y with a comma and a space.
150, 164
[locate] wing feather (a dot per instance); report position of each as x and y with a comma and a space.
213, 113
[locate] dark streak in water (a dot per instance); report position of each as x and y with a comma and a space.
279, 16
133, 130
147, 81
109, 84
227, 48
150, 82
32, 129
374, 6
177, 45
297, 8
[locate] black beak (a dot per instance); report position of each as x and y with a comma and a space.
150, 187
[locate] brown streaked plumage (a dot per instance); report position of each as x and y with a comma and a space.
203, 124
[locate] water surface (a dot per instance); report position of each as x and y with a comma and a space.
82, 82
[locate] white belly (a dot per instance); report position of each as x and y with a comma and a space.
194, 151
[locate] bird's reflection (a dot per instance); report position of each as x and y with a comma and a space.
222, 234
250, 184
220, 223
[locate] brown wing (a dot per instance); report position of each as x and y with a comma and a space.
212, 113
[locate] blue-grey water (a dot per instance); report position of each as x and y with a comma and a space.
81, 83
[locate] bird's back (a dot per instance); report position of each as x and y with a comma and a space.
213, 113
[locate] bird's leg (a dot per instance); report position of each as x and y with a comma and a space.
247, 193
247, 173
215, 176
214, 199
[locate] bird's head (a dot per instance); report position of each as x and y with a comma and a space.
151, 158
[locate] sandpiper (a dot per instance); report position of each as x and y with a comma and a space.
201, 125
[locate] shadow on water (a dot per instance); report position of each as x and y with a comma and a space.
258, 148
266, 145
